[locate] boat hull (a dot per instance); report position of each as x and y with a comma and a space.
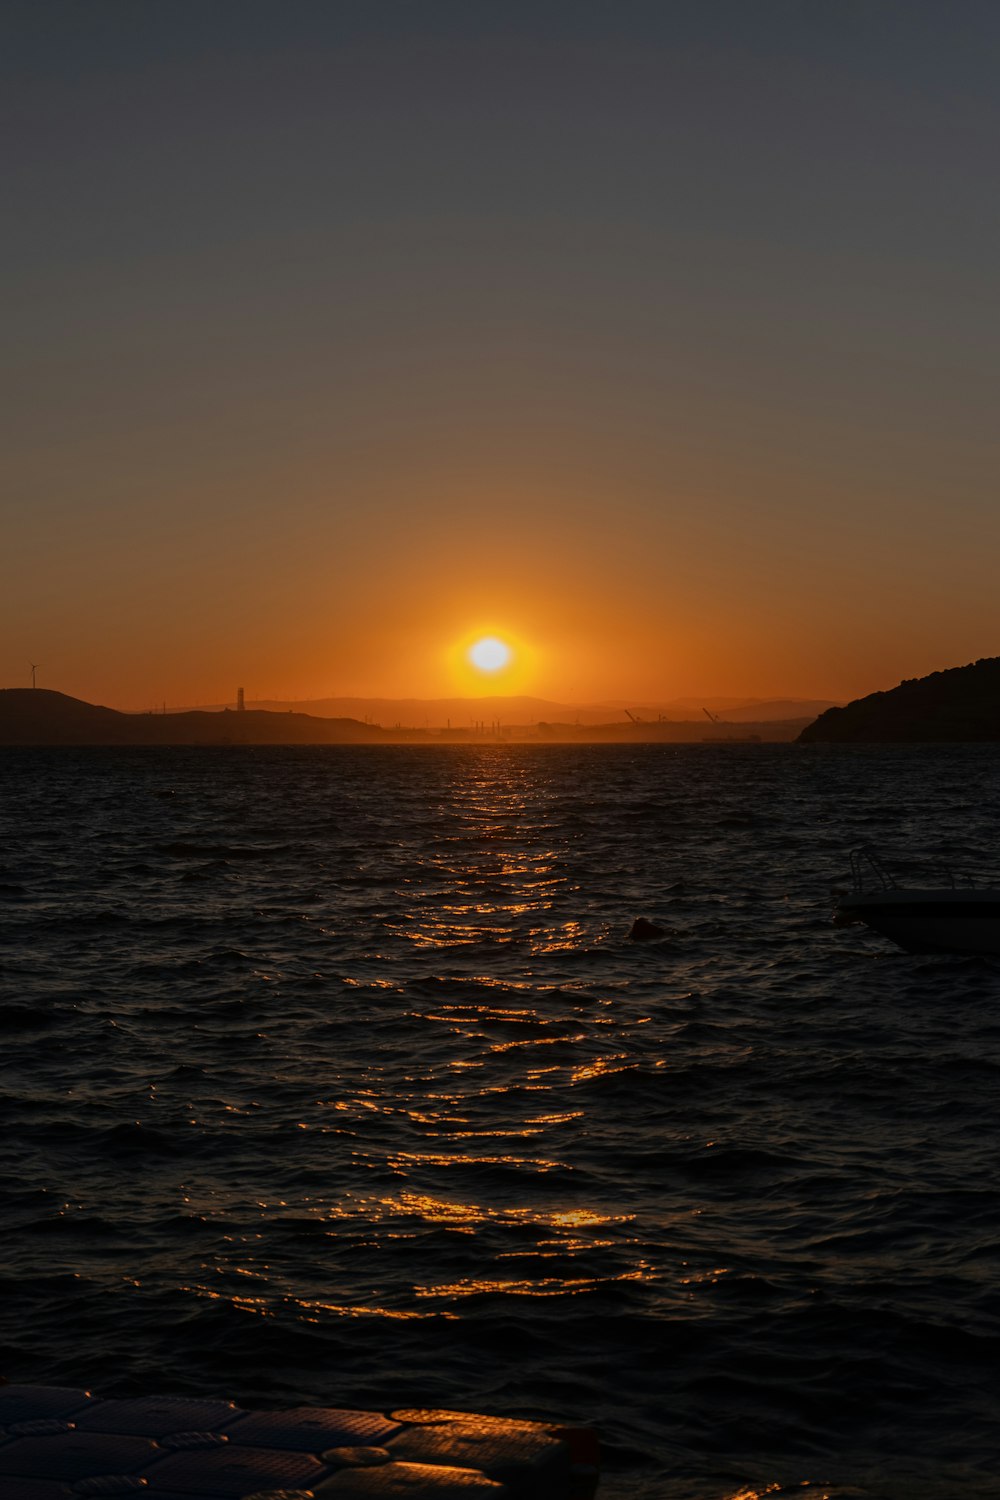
930, 921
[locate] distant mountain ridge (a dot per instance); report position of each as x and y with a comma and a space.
40, 716
437, 713
958, 704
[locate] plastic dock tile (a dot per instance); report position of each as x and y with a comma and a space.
32, 1403
156, 1417
432, 1416
43, 1427
111, 1486
33, 1489
311, 1429
531, 1462
233, 1472
72, 1456
179, 1442
64, 1444
399, 1481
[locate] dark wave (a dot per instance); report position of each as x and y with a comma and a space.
333, 1076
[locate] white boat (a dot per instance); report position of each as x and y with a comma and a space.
956, 917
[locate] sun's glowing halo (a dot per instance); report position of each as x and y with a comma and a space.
489, 654
489, 657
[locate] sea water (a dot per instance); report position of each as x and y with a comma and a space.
330, 1076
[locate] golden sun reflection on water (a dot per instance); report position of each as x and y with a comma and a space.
806, 1488
488, 876
441, 1211
309, 1309
541, 1286
748, 1494
409, 1160
483, 1093
353, 1310
617, 1063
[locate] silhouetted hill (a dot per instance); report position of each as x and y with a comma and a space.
962, 703
38, 716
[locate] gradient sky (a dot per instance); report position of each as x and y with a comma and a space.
657, 338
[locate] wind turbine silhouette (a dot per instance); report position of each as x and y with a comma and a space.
34, 668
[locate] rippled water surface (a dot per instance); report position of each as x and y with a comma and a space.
330, 1075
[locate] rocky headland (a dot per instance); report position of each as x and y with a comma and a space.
960, 704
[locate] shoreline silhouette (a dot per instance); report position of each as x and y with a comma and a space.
44, 717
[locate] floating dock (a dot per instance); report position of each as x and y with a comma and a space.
58, 1443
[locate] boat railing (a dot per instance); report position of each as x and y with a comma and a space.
959, 880
870, 873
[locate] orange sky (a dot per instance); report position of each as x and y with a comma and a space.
664, 350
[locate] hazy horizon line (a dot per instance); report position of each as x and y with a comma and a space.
487, 703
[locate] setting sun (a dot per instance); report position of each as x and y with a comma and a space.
489, 654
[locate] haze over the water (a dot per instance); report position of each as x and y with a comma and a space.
655, 342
